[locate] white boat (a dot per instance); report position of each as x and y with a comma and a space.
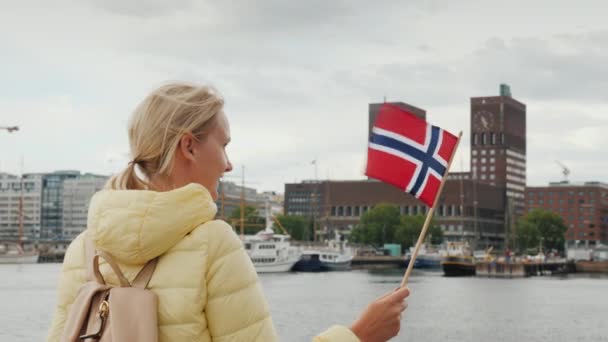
18, 256
271, 252
323, 260
428, 258
334, 257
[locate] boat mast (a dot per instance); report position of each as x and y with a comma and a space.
462, 199
20, 239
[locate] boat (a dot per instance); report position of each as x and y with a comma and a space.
323, 260
458, 261
334, 257
18, 256
427, 258
598, 262
585, 266
270, 252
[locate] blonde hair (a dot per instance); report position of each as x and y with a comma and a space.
158, 124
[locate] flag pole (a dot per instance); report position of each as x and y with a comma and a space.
429, 216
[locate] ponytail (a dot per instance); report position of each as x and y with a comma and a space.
126, 180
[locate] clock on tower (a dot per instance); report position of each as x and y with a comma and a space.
483, 121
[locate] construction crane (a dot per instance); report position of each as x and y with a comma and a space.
10, 129
565, 170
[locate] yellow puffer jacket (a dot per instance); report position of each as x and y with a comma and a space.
206, 285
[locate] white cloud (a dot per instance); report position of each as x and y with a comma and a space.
298, 76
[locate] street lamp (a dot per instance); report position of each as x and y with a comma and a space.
10, 129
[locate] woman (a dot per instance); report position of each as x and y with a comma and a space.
206, 285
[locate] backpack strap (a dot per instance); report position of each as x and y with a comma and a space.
143, 277
92, 262
124, 282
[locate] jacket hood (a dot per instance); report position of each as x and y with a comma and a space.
135, 226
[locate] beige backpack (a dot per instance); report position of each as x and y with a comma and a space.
105, 313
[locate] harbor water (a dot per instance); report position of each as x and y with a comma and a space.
569, 308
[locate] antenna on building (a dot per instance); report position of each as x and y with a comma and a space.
565, 170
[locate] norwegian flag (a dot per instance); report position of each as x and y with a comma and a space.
407, 152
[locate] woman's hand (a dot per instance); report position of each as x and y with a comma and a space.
382, 319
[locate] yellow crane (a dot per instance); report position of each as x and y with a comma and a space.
565, 170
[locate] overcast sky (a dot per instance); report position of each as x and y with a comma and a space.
297, 77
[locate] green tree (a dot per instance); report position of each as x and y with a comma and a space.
409, 230
252, 223
296, 226
378, 225
541, 227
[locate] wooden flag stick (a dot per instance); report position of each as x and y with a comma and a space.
429, 216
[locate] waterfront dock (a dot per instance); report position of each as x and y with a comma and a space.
519, 269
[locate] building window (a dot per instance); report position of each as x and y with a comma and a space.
349, 211
333, 211
492, 168
492, 176
475, 142
483, 160
502, 138
483, 176
357, 211
340, 211
492, 152
474, 152
483, 139
531, 201
483, 169
493, 138
483, 152
492, 160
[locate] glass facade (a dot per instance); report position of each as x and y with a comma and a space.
52, 203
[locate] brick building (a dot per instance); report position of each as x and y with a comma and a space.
339, 205
583, 207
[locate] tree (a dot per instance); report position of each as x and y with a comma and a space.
253, 222
409, 230
296, 226
378, 225
541, 227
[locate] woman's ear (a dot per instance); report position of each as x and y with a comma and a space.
186, 146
